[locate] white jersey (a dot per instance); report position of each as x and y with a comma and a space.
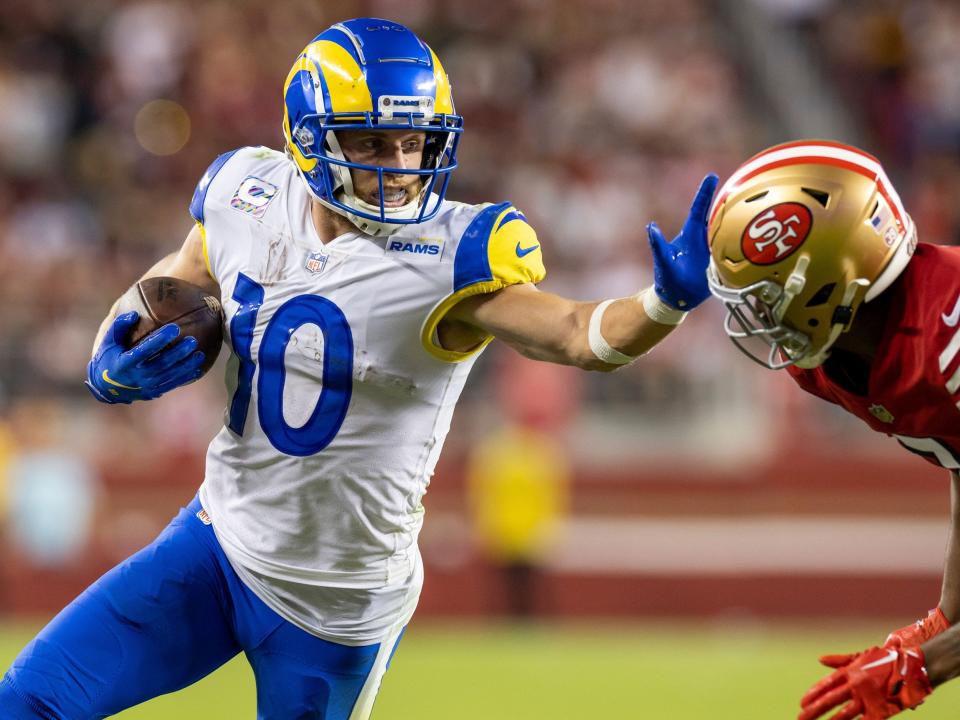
340, 396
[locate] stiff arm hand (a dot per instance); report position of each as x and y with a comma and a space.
680, 266
146, 371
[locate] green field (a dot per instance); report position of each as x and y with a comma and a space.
496, 672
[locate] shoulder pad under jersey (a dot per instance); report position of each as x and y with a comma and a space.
499, 248
241, 168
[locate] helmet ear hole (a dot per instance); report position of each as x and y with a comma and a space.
813, 322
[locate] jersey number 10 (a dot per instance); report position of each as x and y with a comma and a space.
331, 408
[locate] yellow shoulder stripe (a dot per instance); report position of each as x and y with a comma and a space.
498, 249
206, 251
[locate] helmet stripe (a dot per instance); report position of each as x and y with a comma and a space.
815, 143
354, 41
302, 72
299, 100
323, 104
443, 102
345, 82
814, 149
820, 153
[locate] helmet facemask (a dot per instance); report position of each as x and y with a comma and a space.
757, 311
754, 322
331, 183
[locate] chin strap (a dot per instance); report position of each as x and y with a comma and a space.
373, 227
842, 317
792, 287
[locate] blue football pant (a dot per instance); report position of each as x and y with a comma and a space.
166, 617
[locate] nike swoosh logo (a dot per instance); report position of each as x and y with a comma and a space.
953, 318
113, 382
891, 656
525, 251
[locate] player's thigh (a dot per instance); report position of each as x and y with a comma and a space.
300, 676
154, 624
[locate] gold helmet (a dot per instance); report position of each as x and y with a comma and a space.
800, 235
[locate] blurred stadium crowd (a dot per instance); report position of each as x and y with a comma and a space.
593, 116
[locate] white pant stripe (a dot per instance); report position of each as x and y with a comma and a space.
364, 705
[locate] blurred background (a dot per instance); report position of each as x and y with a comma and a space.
691, 503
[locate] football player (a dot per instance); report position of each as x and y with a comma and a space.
819, 268
357, 299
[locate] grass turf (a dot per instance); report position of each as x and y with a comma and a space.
498, 672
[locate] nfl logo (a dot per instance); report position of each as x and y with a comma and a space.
316, 262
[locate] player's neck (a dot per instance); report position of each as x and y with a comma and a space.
329, 224
865, 334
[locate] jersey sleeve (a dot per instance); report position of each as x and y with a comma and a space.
499, 248
199, 201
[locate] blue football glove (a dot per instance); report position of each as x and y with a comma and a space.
680, 266
146, 371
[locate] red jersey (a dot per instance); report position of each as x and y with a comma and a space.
914, 383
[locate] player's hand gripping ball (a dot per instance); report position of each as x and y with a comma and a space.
167, 333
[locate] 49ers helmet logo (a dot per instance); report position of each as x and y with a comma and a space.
776, 233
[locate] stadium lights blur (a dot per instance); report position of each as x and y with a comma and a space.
162, 127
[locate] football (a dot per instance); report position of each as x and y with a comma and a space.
162, 300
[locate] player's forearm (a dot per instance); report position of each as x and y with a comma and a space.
628, 328
950, 594
554, 331
625, 325
942, 656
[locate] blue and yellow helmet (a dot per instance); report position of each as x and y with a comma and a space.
369, 73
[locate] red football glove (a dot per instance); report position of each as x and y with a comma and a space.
916, 634
878, 684
913, 635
